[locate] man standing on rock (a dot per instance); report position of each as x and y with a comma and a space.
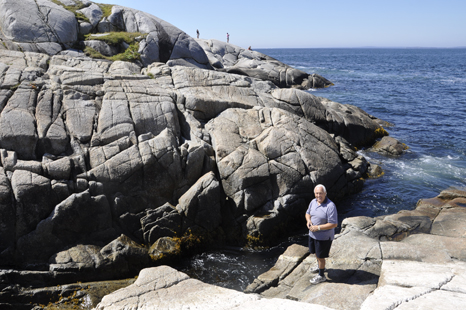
322, 218
228, 37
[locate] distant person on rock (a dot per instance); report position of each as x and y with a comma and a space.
249, 48
197, 31
321, 218
228, 37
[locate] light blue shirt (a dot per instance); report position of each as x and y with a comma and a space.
320, 215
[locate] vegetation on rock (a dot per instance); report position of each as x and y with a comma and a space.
106, 9
74, 9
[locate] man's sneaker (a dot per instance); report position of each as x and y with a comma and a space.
315, 269
318, 279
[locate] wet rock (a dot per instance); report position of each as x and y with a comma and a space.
165, 248
374, 171
389, 146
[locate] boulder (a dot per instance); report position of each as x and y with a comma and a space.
129, 256
80, 258
37, 21
93, 13
256, 169
163, 42
202, 203
164, 221
102, 47
352, 123
389, 146
79, 218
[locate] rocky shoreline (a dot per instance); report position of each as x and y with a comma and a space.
414, 259
125, 143
409, 260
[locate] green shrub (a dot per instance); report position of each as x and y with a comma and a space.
89, 51
116, 37
130, 54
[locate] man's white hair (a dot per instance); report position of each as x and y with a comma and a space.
320, 185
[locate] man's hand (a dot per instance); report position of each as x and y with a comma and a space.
309, 225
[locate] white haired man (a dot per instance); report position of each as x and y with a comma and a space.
322, 218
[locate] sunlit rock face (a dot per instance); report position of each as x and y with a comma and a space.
106, 157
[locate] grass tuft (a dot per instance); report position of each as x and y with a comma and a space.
106, 9
74, 9
116, 37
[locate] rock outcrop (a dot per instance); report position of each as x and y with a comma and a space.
408, 260
234, 59
165, 288
93, 135
60, 26
101, 158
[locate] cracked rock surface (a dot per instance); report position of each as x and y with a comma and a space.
166, 288
89, 148
415, 259
100, 159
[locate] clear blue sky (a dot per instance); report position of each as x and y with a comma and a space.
312, 23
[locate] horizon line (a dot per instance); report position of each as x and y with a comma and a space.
381, 47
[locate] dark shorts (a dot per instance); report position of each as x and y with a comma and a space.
321, 248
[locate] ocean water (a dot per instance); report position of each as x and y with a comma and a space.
421, 92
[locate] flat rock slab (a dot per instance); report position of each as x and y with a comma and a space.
166, 288
419, 285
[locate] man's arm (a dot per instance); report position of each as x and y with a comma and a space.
308, 220
327, 226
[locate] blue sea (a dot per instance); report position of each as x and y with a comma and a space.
421, 92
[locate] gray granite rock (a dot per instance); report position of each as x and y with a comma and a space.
93, 13
425, 267
235, 59
120, 132
389, 146
166, 288
165, 148
37, 21
102, 47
